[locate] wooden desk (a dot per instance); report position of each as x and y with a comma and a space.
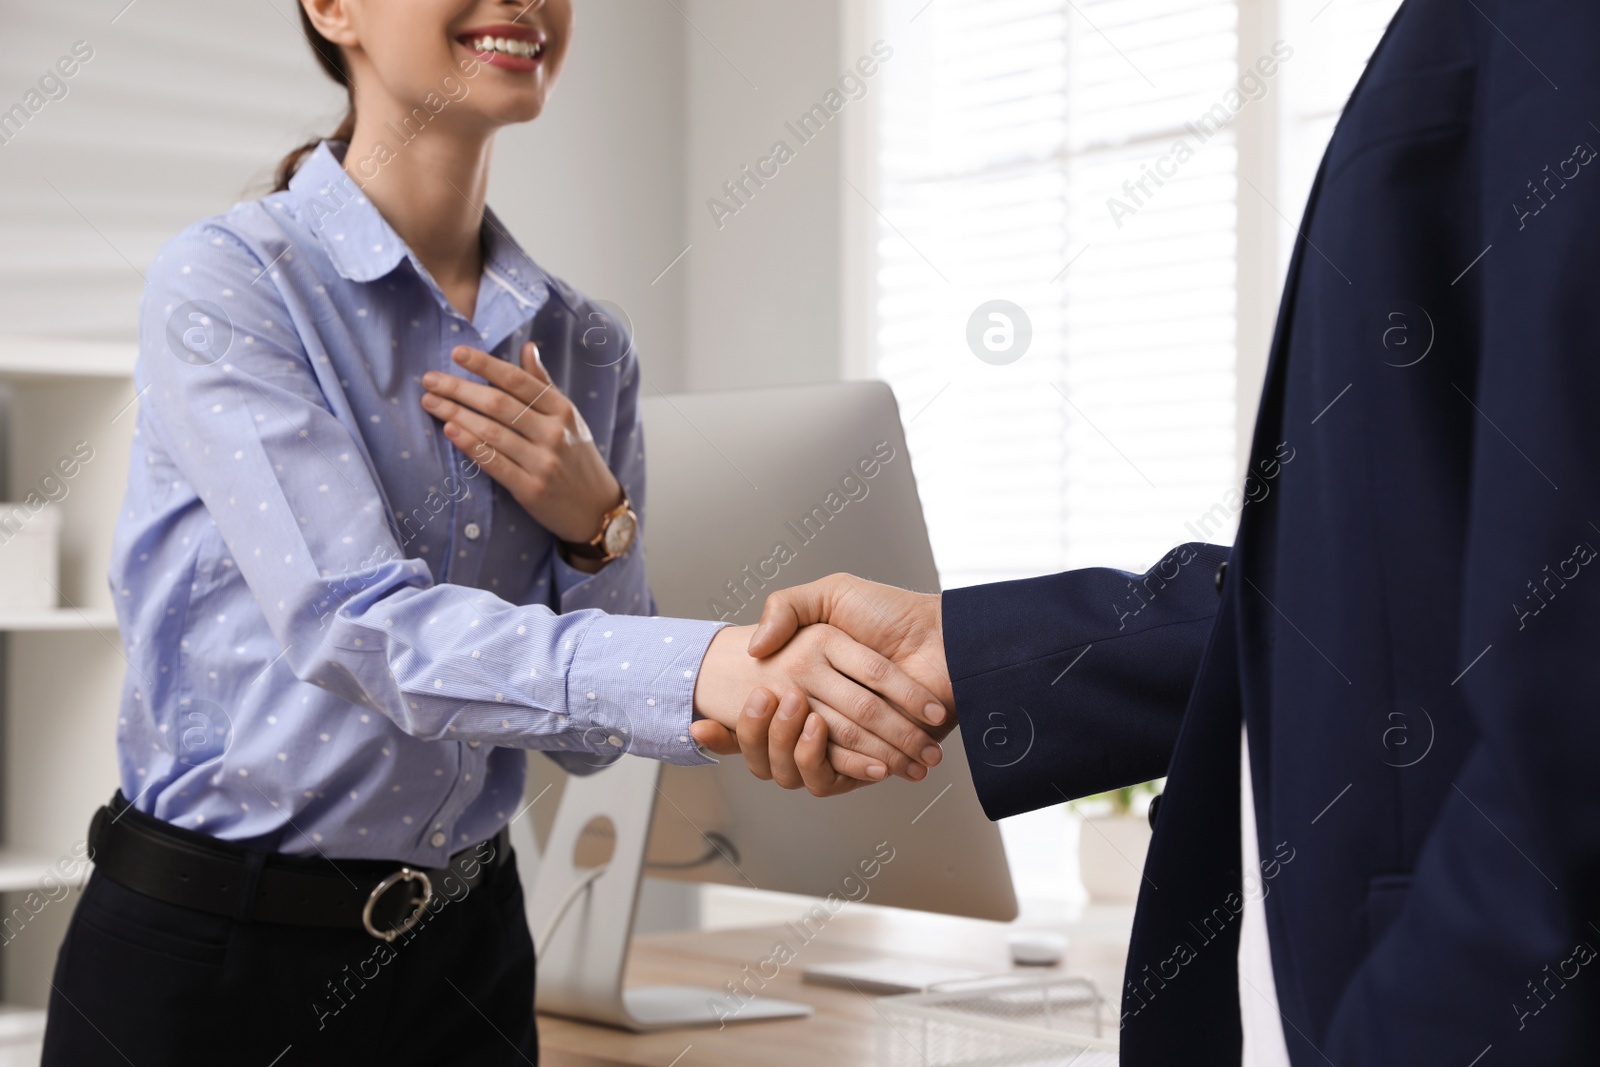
845, 1031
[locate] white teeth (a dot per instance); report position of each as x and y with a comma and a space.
508, 46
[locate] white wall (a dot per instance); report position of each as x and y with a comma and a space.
182, 108
764, 288
594, 189
187, 106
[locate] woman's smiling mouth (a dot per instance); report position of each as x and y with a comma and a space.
516, 48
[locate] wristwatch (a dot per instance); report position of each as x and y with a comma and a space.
618, 528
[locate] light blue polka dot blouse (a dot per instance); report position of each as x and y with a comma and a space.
340, 632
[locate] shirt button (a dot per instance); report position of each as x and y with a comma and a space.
472, 531
437, 840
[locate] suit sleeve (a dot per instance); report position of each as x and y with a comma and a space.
1076, 683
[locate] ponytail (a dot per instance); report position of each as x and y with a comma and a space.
331, 59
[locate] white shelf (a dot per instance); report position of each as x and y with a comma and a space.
41, 619
64, 666
52, 359
20, 872
21, 1034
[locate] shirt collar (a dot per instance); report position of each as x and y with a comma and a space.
363, 247
361, 244
506, 264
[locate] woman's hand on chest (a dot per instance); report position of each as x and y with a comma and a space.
529, 437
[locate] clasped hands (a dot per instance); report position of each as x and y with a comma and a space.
841, 683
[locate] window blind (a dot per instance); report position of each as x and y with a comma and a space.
1081, 160
1018, 144
1338, 37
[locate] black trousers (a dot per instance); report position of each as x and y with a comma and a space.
143, 982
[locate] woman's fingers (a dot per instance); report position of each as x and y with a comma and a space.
784, 735
447, 393
533, 365
752, 730
713, 735
849, 763
811, 756
503, 467
484, 455
819, 765
456, 398
528, 385
515, 445
529, 382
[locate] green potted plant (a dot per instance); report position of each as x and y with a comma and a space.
1113, 837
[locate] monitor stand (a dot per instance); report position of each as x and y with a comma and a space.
580, 969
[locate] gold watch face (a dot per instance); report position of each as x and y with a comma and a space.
620, 533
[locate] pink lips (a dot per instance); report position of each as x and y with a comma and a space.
507, 31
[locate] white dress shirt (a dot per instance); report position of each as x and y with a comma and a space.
1258, 997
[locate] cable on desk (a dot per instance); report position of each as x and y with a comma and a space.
721, 848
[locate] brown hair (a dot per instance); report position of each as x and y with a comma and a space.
331, 58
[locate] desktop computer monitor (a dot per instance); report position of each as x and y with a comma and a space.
752, 491
748, 492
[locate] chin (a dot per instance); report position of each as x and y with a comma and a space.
510, 103
517, 113
528, 110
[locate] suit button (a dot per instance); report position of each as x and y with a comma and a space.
1155, 802
1222, 572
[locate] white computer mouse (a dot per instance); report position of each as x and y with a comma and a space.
1037, 948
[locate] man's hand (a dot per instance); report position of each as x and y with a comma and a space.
529, 438
902, 626
875, 711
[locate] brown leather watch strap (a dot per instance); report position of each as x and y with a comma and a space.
591, 550
595, 547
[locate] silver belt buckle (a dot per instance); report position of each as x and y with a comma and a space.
404, 874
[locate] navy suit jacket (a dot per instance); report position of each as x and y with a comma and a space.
1409, 618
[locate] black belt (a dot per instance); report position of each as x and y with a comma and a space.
194, 870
